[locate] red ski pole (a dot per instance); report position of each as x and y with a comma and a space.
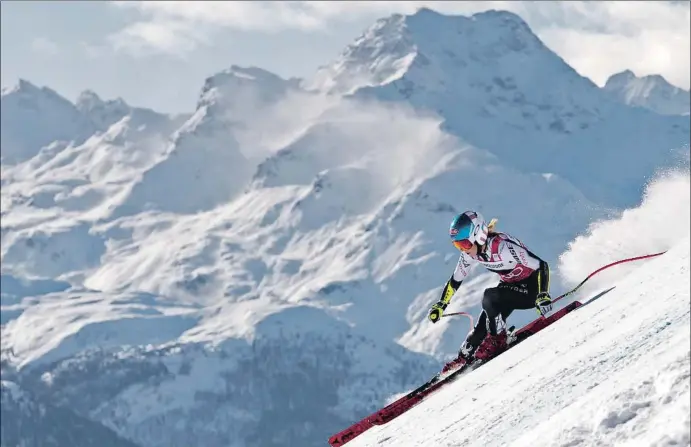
578, 286
465, 314
603, 268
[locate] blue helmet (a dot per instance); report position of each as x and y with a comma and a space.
467, 229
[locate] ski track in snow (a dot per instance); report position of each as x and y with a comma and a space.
615, 372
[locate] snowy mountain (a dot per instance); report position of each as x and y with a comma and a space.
215, 151
498, 87
652, 92
33, 117
258, 273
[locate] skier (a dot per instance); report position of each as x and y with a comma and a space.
524, 284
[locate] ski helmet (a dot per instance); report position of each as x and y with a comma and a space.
468, 228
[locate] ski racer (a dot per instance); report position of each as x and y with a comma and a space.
524, 284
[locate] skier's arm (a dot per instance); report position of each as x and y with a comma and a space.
525, 257
462, 270
543, 278
450, 288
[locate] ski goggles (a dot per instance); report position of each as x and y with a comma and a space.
461, 238
463, 244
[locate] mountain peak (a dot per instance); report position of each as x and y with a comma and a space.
493, 16
652, 92
27, 88
425, 11
627, 76
89, 96
251, 72
237, 76
88, 99
489, 79
236, 81
23, 107
102, 113
501, 15
390, 47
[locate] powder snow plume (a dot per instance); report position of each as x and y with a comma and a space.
659, 223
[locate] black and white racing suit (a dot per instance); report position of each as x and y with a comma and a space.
522, 276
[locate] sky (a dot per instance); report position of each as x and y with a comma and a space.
158, 54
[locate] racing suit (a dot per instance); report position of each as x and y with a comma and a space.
523, 275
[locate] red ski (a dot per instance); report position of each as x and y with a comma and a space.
405, 403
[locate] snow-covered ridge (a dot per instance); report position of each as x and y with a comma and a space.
213, 154
34, 117
102, 113
652, 92
386, 46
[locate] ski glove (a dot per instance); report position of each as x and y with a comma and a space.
436, 311
543, 303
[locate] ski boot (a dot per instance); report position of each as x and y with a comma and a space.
454, 364
511, 336
465, 356
492, 346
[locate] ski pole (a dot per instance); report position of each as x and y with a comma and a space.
465, 314
575, 288
603, 268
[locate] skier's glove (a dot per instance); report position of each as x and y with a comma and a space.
543, 303
436, 311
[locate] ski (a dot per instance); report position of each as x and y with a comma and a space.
411, 399
396, 408
405, 403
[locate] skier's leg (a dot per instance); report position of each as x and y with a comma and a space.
494, 302
502, 300
475, 337
499, 302
471, 343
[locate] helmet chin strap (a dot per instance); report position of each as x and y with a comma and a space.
482, 250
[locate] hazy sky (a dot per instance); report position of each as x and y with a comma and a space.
157, 54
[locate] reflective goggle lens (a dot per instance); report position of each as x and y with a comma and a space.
463, 244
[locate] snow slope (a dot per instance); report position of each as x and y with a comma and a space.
652, 92
615, 372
